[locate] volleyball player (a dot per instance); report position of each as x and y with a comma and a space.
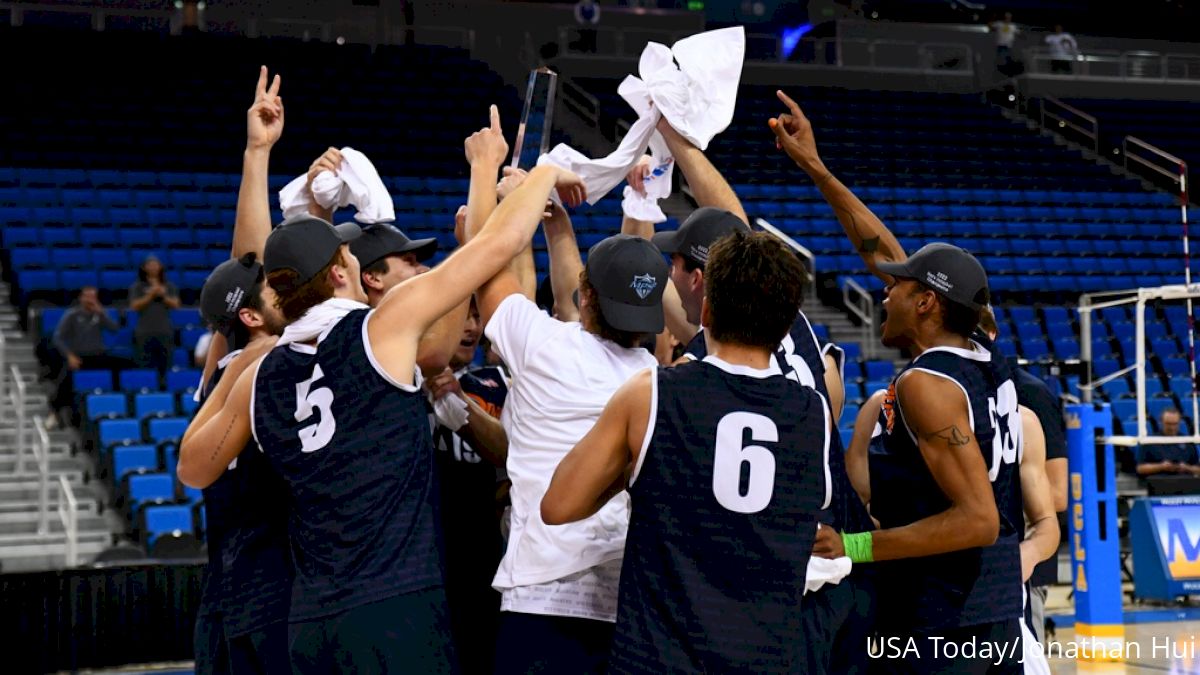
338, 411
726, 463
945, 484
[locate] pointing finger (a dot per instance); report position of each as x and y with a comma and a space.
792, 106
495, 114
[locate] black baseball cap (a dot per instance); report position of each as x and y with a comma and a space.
629, 275
947, 269
227, 289
383, 239
305, 244
698, 233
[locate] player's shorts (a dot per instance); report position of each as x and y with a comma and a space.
823, 612
408, 633
260, 652
537, 643
208, 640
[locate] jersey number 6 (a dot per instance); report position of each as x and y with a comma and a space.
730, 454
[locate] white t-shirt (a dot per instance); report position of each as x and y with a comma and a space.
1062, 46
562, 377
1006, 33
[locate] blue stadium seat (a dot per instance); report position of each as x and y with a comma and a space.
1066, 347
17, 235
165, 520
92, 380
1102, 367
853, 350
139, 380
186, 316
849, 415
156, 404
132, 458
68, 258
182, 380
167, 429
118, 432
105, 405
73, 280
847, 437
879, 370
188, 337
1115, 389
150, 487
116, 280
29, 258
853, 370
188, 405
1035, 349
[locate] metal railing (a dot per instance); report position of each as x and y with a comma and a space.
3, 385
896, 55
41, 452
861, 304
68, 514
1128, 65
810, 260
1065, 116
615, 41
1177, 172
17, 398
578, 101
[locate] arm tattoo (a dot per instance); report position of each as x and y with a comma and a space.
225, 437
868, 244
953, 437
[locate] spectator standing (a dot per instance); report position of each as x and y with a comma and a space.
587, 15
1063, 50
79, 338
1006, 34
153, 298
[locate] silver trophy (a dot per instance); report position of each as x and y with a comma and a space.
537, 119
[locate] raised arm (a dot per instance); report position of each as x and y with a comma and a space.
565, 262
221, 428
1041, 539
869, 236
708, 185
599, 465
411, 307
936, 411
264, 125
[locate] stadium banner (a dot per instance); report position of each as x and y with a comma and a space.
1165, 533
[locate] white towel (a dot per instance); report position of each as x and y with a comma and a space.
356, 182
823, 571
319, 320
451, 411
657, 185
697, 97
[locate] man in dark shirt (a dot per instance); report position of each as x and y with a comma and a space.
1171, 458
79, 339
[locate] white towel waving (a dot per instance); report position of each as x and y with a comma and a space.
356, 183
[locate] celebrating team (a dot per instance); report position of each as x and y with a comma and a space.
702, 517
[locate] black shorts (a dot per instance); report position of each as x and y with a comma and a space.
261, 652
537, 643
407, 633
823, 613
849, 645
957, 651
208, 640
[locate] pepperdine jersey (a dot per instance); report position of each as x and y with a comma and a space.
249, 575
354, 447
973, 586
801, 357
725, 498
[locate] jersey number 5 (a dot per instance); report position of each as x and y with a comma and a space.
315, 436
730, 455
1006, 420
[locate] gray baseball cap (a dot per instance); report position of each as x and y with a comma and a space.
629, 275
383, 239
698, 233
305, 244
225, 291
947, 269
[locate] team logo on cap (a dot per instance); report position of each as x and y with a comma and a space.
233, 300
939, 280
643, 285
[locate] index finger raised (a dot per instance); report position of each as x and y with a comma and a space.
495, 115
792, 106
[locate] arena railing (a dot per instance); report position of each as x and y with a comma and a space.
41, 452
17, 398
583, 104
861, 304
1127, 65
68, 515
807, 256
898, 55
3, 389
1068, 117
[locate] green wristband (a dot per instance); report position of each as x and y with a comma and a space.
858, 546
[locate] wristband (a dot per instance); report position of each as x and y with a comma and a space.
858, 546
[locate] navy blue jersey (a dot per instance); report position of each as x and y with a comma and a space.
801, 357
249, 574
966, 587
354, 448
725, 500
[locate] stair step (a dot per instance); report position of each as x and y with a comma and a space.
57, 465
12, 508
88, 524
34, 539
